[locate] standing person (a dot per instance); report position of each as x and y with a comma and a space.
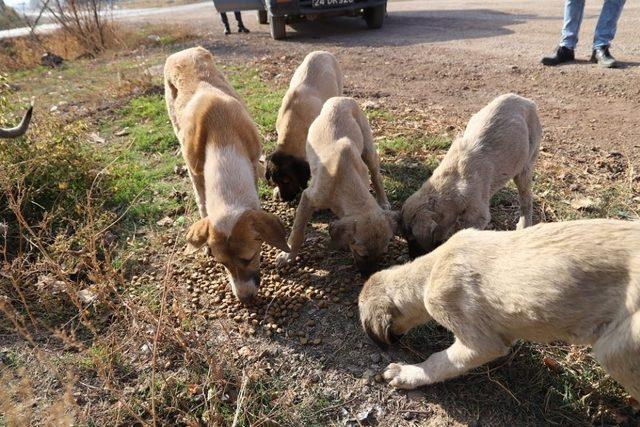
604, 34
225, 21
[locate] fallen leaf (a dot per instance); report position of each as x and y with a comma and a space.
95, 137
584, 204
552, 364
165, 222
87, 296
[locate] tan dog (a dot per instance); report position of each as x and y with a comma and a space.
341, 155
221, 148
576, 281
500, 142
317, 79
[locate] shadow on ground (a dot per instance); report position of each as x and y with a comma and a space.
406, 28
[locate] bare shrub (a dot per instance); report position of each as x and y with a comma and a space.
90, 22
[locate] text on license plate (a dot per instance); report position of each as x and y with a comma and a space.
329, 3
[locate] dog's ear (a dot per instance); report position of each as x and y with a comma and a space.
394, 219
341, 233
270, 229
198, 235
378, 328
302, 171
268, 168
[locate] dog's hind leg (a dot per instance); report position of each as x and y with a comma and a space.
371, 159
296, 238
523, 181
618, 351
454, 361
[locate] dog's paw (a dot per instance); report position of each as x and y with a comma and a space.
276, 194
405, 377
283, 259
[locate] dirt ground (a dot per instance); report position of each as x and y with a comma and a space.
449, 58
432, 65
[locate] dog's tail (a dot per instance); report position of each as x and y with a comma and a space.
19, 130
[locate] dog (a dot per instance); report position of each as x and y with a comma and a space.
576, 281
500, 142
317, 79
341, 151
221, 148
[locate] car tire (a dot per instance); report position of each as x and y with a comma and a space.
262, 17
374, 16
277, 27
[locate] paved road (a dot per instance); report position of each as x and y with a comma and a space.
147, 14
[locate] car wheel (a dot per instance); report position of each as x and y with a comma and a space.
374, 16
277, 27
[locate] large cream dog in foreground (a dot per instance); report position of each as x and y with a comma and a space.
577, 282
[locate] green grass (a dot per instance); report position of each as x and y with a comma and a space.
142, 162
402, 180
403, 145
262, 100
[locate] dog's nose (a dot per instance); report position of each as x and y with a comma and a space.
247, 299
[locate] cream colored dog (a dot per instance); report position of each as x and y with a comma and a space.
221, 148
500, 142
341, 155
576, 281
317, 79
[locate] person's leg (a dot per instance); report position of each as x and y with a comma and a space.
225, 22
605, 32
241, 27
573, 13
607, 23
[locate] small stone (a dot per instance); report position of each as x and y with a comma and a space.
304, 341
375, 358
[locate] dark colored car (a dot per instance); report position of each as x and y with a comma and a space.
277, 13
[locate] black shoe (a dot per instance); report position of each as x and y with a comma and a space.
561, 55
603, 57
227, 30
243, 29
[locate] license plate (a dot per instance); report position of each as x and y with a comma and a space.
330, 3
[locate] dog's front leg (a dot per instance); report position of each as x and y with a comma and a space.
199, 190
450, 363
296, 238
476, 215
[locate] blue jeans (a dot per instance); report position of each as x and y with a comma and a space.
605, 30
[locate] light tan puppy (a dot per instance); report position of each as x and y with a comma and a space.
341, 155
577, 282
500, 142
221, 148
317, 79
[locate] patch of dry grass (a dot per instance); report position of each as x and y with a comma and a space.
25, 52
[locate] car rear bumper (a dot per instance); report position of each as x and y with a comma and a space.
303, 7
